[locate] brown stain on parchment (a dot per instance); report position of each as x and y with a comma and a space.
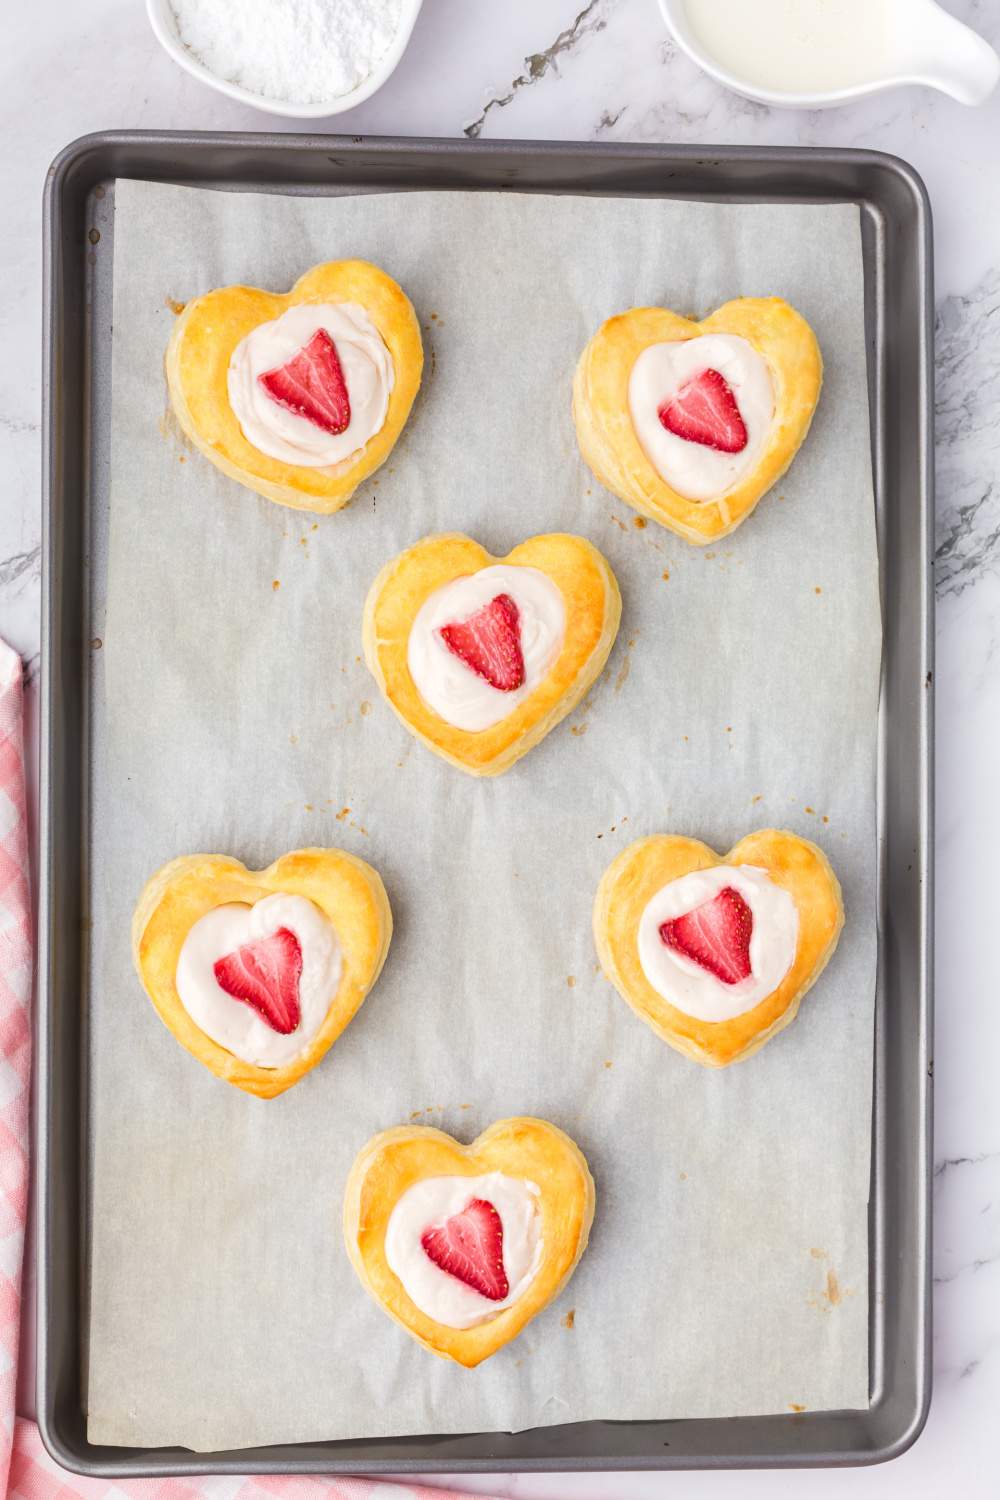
625, 667
581, 711
570, 1318
436, 1109
831, 1293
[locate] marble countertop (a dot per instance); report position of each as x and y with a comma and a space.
605, 70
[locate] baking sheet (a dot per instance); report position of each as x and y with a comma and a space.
727, 1271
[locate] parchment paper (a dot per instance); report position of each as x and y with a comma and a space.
727, 1271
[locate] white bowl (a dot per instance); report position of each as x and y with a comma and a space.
161, 18
941, 52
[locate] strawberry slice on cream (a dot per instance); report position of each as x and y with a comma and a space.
265, 976
489, 642
715, 942
705, 411
702, 410
464, 1248
481, 643
716, 936
312, 385
469, 1246
259, 980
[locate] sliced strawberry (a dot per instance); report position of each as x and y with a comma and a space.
312, 385
489, 642
469, 1246
715, 936
704, 411
265, 976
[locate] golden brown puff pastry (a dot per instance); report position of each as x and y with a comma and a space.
484, 1236
739, 937
274, 962
609, 373
213, 327
481, 656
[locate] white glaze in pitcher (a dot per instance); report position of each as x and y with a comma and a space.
809, 54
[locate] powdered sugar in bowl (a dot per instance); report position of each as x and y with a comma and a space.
304, 59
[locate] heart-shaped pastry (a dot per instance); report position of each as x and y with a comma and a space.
257, 972
481, 656
691, 423
463, 1245
715, 953
298, 396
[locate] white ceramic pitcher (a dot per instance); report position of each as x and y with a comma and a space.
934, 48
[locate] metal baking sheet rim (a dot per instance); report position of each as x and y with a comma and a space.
899, 313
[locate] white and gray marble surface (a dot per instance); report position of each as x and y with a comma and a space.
606, 71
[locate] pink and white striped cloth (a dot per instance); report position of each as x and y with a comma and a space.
26, 1470
15, 1037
